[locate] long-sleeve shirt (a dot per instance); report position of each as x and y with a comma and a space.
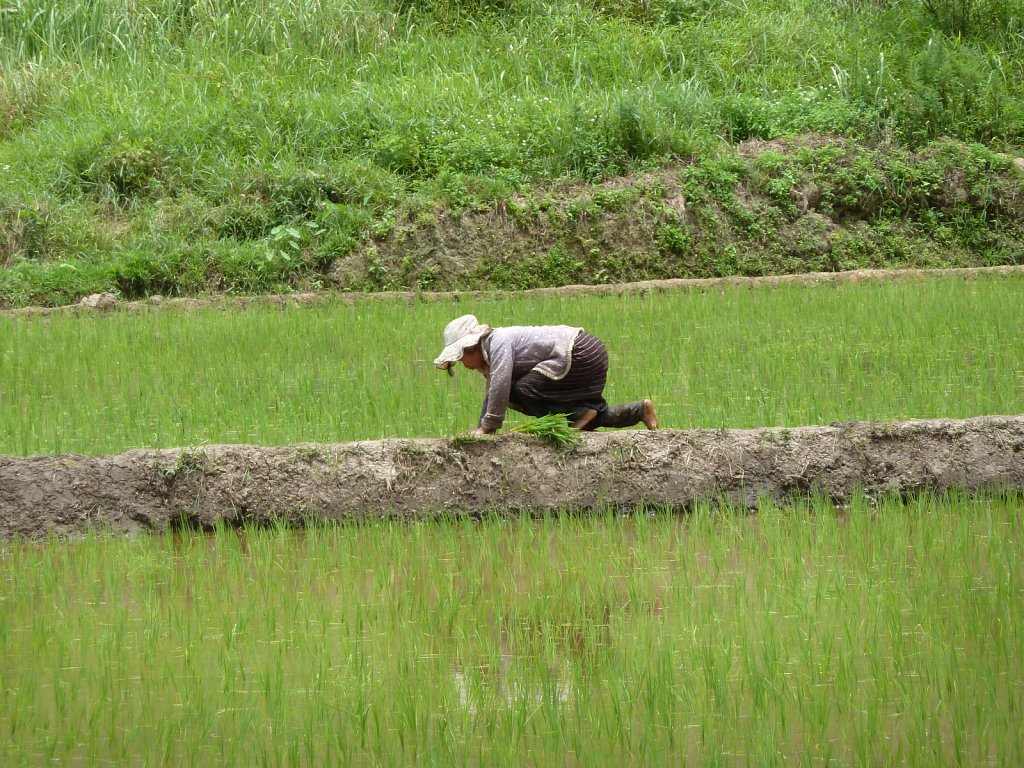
514, 351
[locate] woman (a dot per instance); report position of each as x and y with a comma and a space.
539, 370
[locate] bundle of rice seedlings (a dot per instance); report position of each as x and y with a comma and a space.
554, 427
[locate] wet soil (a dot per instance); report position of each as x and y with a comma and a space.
154, 490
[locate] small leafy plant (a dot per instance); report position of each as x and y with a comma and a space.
287, 241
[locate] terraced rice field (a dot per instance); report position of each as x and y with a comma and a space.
881, 632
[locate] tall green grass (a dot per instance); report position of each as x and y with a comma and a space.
564, 89
880, 634
165, 136
734, 357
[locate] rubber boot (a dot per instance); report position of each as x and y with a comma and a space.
625, 415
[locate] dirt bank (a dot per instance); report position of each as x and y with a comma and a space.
804, 203
150, 490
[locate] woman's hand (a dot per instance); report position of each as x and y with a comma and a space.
479, 432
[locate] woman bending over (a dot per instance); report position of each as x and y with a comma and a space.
539, 370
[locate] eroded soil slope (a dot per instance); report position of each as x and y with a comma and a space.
151, 490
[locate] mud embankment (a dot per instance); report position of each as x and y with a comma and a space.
151, 490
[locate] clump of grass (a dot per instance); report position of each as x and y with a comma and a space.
465, 438
554, 428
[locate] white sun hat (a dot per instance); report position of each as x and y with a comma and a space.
460, 334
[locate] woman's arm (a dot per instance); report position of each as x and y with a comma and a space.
499, 385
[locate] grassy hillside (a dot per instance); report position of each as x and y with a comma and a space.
167, 146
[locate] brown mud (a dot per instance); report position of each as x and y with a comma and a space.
106, 302
154, 490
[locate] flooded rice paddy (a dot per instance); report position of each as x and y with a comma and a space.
884, 632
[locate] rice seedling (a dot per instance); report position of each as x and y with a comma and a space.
554, 428
885, 631
737, 357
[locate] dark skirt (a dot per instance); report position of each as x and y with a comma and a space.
581, 389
